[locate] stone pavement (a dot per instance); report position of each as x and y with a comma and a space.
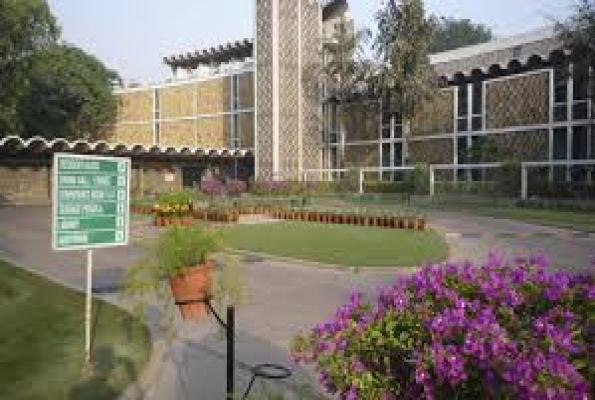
282, 297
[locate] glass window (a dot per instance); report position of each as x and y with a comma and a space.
398, 154
560, 143
561, 73
477, 98
462, 150
580, 86
462, 101
580, 110
579, 143
560, 113
386, 132
386, 116
157, 132
476, 123
462, 125
386, 155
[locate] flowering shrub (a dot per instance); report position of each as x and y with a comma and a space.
235, 187
505, 330
212, 186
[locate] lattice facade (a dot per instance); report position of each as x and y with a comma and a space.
518, 101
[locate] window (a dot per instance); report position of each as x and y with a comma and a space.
560, 144
580, 143
157, 129
235, 131
561, 75
235, 92
462, 99
386, 156
462, 150
156, 105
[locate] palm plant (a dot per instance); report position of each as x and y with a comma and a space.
406, 78
344, 71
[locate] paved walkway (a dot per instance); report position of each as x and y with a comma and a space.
281, 298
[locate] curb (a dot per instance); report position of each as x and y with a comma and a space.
142, 387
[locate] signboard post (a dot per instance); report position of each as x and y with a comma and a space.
90, 209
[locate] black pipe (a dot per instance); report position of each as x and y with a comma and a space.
230, 328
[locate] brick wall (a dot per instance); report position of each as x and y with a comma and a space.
25, 184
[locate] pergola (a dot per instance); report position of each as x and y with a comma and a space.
238, 50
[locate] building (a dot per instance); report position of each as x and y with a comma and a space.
254, 109
521, 97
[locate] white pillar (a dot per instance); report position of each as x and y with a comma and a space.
524, 183
432, 181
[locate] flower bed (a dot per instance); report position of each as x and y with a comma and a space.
506, 330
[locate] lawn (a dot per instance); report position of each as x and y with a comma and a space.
340, 244
42, 342
577, 220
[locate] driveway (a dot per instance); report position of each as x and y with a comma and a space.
282, 298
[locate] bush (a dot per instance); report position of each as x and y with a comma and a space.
505, 330
421, 178
508, 177
475, 188
388, 187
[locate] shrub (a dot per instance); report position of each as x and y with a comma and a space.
421, 178
236, 187
212, 186
504, 330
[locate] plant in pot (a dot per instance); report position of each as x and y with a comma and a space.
180, 264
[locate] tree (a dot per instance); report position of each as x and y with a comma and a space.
69, 95
403, 42
577, 34
452, 33
26, 26
344, 72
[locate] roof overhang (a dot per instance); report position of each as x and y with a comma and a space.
36, 146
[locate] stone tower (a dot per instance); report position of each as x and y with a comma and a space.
288, 109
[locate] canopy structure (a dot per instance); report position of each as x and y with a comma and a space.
238, 50
527, 51
37, 146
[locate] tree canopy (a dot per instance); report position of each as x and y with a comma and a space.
49, 89
578, 32
69, 95
452, 33
26, 26
402, 45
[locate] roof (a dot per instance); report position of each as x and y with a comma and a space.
238, 50
541, 42
15, 145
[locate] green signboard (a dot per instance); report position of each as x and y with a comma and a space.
91, 202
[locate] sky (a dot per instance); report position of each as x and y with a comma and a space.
133, 36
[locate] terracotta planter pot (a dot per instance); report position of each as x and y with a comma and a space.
193, 284
393, 223
186, 221
421, 224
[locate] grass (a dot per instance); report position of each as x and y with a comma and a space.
340, 244
42, 342
577, 220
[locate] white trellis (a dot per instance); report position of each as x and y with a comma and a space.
536, 164
323, 174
